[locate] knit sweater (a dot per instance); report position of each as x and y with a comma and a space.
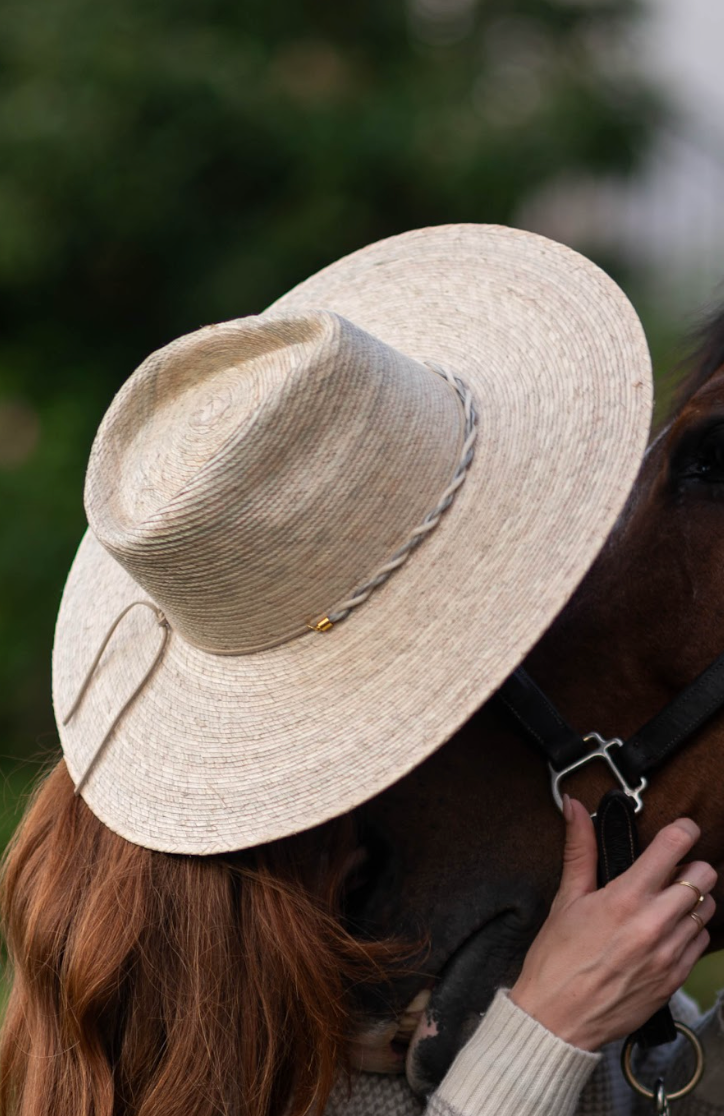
513, 1066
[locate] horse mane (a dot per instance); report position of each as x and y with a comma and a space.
155, 983
704, 356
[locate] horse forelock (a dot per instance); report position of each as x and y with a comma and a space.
704, 357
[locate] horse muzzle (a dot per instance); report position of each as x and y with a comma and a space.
382, 1047
424, 1038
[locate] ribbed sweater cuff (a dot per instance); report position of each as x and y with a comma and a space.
514, 1066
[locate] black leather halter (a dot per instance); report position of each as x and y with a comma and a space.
631, 761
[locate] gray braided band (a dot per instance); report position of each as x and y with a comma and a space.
431, 520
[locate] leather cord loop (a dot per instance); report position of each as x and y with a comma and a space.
90, 673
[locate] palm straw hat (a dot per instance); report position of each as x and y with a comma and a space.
346, 521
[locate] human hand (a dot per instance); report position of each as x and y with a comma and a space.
605, 960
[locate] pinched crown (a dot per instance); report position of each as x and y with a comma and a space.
248, 476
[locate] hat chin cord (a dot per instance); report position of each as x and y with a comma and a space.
165, 628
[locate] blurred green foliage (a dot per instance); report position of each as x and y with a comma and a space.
167, 163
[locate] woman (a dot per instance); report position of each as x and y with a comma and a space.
319, 540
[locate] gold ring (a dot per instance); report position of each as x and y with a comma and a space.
691, 1084
688, 883
697, 919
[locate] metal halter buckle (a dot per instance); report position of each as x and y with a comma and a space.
600, 752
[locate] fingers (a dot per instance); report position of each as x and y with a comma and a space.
654, 868
692, 880
680, 944
580, 853
692, 952
694, 921
705, 910
691, 923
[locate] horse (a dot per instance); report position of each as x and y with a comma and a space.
443, 879
464, 853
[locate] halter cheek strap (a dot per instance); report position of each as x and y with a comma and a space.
165, 628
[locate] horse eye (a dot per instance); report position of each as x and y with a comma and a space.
699, 458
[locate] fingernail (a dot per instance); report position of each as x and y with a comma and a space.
567, 810
689, 826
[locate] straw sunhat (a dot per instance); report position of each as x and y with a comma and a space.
443, 427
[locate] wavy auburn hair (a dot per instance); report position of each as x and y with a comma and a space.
153, 984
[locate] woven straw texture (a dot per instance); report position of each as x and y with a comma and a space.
250, 476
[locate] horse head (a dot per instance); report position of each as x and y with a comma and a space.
463, 855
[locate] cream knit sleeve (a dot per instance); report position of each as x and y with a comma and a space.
513, 1066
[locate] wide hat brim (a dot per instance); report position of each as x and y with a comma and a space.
224, 752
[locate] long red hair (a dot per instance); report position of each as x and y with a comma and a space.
152, 984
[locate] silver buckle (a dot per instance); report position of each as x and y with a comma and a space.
601, 752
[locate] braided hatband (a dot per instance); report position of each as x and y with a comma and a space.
431, 520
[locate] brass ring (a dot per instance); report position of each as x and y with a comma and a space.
649, 1093
697, 919
688, 883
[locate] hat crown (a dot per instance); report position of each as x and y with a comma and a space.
250, 475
